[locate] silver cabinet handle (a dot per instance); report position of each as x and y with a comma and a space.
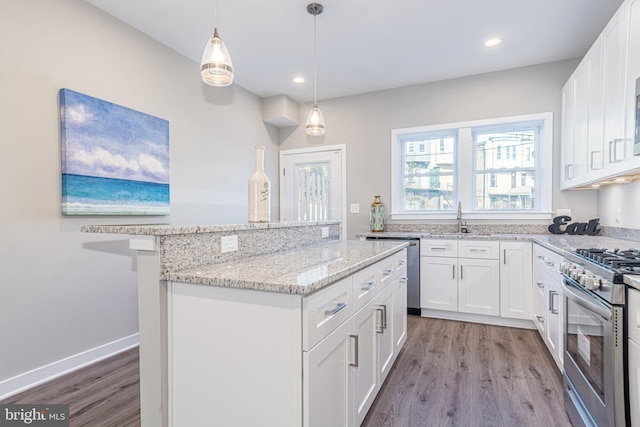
540, 285
540, 319
461, 275
383, 318
388, 272
477, 250
367, 286
338, 308
356, 354
453, 269
504, 256
552, 307
438, 248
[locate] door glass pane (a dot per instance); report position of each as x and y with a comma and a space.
312, 198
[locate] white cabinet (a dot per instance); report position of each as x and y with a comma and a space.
549, 301
479, 286
516, 273
598, 104
634, 355
439, 283
467, 283
326, 381
317, 360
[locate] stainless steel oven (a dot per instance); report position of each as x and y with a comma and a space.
595, 344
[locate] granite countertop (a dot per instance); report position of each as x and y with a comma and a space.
300, 271
169, 229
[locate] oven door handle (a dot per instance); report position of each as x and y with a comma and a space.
580, 298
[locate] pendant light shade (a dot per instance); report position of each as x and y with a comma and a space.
315, 120
216, 67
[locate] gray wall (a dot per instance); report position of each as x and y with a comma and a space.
63, 292
364, 123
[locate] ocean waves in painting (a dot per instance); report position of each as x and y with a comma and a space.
90, 195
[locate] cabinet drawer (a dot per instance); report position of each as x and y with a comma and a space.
546, 259
445, 248
325, 310
483, 249
634, 315
385, 270
401, 260
366, 285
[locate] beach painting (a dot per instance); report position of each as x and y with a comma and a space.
115, 160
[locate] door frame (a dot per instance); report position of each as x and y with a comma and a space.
342, 148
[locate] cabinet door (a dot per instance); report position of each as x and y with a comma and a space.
439, 283
581, 122
385, 353
567, 136
634, 382
516, 273
364, 368
595, 130
400, 312
555, 320
326, 386
479, 286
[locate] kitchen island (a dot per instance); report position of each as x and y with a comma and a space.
225, 336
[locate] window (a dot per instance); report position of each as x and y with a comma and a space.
493, 158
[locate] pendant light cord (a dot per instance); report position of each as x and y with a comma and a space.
315, 61
215, 14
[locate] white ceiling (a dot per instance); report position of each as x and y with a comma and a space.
371, 45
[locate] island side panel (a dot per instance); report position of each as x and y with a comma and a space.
235, 357
152, 324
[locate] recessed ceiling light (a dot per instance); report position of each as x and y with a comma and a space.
492, 42
298, 79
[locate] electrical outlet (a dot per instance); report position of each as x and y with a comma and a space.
354, 208
325, 232
229, 243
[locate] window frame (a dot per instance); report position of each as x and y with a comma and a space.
464, 169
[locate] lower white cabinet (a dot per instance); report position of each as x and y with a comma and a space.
549, 301
479, 286
516, 280
239, 357
326, 381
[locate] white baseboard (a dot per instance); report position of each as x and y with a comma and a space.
30, 379
479, 318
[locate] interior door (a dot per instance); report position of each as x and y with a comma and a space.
312, 184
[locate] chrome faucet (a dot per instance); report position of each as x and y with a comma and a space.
462, 227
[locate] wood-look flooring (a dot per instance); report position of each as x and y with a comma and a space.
448, 374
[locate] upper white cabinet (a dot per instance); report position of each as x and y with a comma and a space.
598, 104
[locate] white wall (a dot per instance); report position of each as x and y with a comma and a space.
63, 292
364, 124
618, 205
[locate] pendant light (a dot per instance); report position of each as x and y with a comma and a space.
216, 67
315, 120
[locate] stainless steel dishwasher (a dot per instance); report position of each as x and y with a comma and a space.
413, 271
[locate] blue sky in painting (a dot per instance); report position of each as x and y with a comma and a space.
106, 140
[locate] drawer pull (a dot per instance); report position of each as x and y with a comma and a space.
388, 272
540, 319
402, 262
477, 250
356, 355
540, 285
337, 309
438, 248
367, 286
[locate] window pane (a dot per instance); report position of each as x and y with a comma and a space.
429, 156
503, 191
517, 148
428, 193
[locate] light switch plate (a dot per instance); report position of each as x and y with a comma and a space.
229, 243
325, 232
354, 208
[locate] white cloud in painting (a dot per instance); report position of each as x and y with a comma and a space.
101, 162
77, 114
